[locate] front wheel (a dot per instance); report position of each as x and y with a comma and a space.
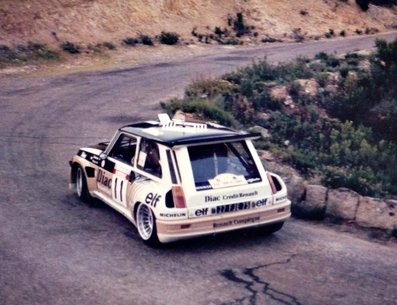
81, 185
146, 224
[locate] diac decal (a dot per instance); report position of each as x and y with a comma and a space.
103, 180
212, 198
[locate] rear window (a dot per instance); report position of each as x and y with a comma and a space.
223, 163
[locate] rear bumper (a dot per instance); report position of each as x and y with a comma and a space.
169, 231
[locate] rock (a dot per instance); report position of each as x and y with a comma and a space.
314, 204
342, 204
279, 92
263, 116
296, 186
376, 213
179, 115
310, 86
266, 155
263, 131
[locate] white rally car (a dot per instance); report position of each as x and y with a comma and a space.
175, 180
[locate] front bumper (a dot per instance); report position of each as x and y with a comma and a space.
169, 231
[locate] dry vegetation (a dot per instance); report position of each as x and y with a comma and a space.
95, 21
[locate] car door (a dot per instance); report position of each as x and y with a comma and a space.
122, 155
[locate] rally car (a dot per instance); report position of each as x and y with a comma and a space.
176, 179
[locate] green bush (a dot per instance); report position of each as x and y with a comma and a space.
24, 53
239, 26
363, 4
344, 71
332, 61
146, 40
321, 56
6, 53
109, 45
294, 89
322, 79
169, 38
203, 108
346, 136
130, 41
70, 47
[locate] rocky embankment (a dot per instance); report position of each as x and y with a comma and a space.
318, 202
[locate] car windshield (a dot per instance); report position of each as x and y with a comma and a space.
222, 162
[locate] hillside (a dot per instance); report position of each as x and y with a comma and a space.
92, 21
331, 118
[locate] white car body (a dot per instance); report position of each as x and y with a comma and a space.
176, 180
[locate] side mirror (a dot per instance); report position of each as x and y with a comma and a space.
103, 156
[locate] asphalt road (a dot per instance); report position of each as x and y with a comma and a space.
57, 250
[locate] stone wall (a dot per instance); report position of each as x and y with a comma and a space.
318, 202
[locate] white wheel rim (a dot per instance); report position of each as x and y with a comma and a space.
145, 221
79, 182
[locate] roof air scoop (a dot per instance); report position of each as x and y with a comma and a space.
167, 123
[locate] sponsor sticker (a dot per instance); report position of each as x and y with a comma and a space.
142, 159
152, 199
227, 180
230, 208
281, 198
236, 222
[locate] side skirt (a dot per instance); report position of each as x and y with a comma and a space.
123, 211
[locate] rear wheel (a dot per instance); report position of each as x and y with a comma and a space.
146, 224
81, 185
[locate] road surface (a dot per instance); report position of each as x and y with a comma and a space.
56, 250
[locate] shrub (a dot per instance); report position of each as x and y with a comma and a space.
109, 45
6, 51
24, 53
322, 79
130, 41
204, 108
297, 35
242, 110
344, 71
239, 26
169, 38
146, 40
294, 89
387, 3
229, 41
218, 31
303, 12
321, 56
332, 61
247, 87
332, 145
363, 4
70, 47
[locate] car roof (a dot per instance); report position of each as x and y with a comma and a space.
177, 133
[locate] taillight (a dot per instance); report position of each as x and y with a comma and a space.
179, 197
269, 177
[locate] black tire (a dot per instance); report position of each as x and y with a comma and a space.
270, 229
81, 185
146, 225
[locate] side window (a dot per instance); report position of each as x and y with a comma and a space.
149, 157
124, 149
